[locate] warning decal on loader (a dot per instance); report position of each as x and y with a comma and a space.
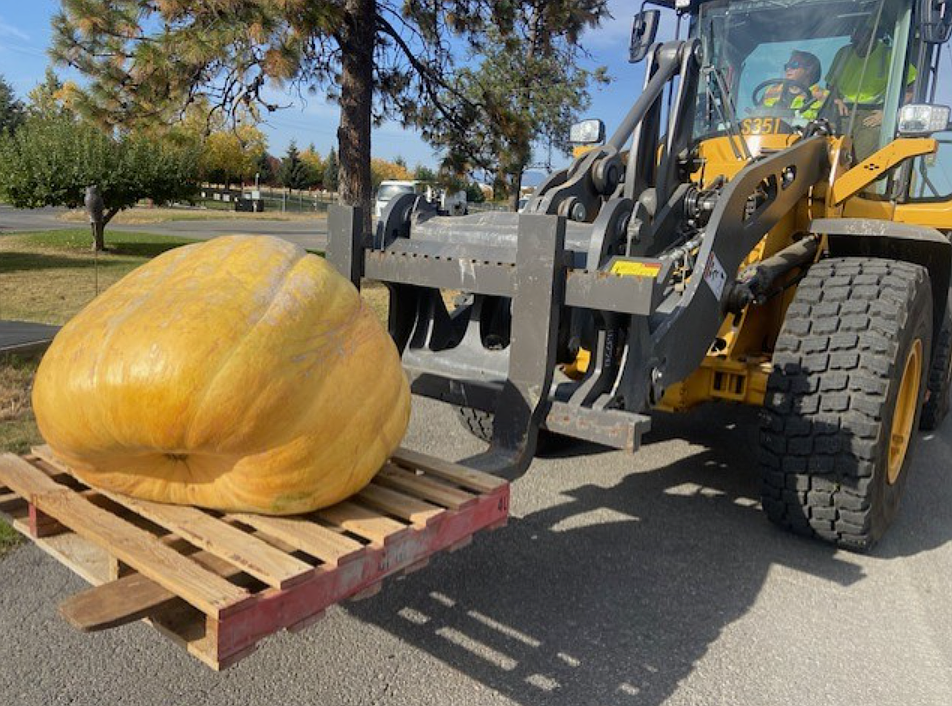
636, 268
715, 276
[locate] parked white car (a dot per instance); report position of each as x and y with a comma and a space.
389, 190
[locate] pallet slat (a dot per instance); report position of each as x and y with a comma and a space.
248, 553
403, 506
116, 603
25, 480
362, 521
434, 491
136, 547
320, 542
133, 597
466, 477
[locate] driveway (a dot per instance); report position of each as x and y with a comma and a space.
311, 233
23, 336
643, 580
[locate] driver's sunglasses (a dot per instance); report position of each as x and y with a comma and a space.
792, 65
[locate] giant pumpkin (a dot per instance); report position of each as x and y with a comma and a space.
237, 374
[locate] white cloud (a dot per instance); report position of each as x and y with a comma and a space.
8, 30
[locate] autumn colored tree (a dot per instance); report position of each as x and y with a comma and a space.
231, 153
314, 165
382, 170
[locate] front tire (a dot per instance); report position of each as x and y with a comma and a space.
843, 400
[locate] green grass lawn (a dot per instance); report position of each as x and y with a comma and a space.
50, 277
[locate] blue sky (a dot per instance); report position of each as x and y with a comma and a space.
25, 36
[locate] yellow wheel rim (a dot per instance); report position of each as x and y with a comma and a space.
905, 413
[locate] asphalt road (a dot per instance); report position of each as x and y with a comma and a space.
642, 580
311, 233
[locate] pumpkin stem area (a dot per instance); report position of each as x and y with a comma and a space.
177, 457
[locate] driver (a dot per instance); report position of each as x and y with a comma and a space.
803, 70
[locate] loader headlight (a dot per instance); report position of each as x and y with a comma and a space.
923, 119
587, 132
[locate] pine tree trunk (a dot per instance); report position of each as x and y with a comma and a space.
356, 101
515, 190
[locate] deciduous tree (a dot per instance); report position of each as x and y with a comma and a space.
232, 153
315, 166
51, 159
382, 170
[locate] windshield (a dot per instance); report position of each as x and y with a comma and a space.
388, 191
787, 62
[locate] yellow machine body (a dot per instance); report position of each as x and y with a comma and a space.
738, 364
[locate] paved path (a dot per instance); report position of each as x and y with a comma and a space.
22, 336
310, 233
642, 580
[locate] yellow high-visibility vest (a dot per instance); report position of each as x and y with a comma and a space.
775, 93
869, 88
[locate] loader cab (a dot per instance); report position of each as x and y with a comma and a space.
771, 67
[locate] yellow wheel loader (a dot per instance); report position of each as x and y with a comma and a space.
767, 225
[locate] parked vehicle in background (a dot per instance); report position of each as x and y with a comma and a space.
388, 190
450, 204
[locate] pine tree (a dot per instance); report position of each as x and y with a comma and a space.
331, 172
11, 109
293, 172
525, 89
263, 168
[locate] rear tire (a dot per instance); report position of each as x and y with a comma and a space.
476, 422
480, 424
940, 377
838, 431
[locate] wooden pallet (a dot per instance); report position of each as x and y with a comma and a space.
219, 583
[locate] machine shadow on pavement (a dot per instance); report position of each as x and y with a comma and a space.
614, 595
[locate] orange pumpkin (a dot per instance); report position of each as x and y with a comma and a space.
241, 374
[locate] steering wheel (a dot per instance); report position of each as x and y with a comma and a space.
786, 96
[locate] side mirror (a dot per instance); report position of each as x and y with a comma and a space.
587, 132
923, 119
935, 21
644, 29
